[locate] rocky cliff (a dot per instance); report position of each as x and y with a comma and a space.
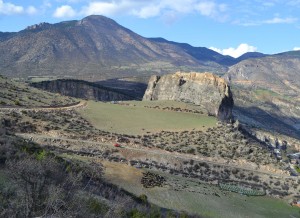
205, 89
82, 89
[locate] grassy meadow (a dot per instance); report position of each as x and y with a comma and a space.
190, 195
134, 118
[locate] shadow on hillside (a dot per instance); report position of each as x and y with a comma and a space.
132, 88
266, 120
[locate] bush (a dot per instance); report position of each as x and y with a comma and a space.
17, 102
143, 198
41, 155
96, 207
135, 213
155, 212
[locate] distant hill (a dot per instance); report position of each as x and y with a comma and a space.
250, 55
202, 54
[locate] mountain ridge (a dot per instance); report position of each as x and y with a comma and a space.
97, 48
92, 46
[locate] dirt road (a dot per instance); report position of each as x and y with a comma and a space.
81, 104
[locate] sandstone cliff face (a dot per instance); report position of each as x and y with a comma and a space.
82, 89
203, 89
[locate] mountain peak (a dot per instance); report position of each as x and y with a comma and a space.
96, 20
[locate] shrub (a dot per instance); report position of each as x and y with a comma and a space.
96, 207
143, 198
41, 155
155, 212
135, 213
17, 102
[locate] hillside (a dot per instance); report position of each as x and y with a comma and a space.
16, 94
93, 48
266, 92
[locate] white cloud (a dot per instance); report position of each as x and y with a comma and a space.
148, 11
104, 8
278, 20
235, 52
153, 8
9, 8
31, 10
210, 8
64, 11
275, 20
296, 49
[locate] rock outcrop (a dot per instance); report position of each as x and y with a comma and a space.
82, 89
205, 89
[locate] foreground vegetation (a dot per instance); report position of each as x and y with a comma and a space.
36, 183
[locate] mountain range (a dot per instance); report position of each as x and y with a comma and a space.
97, 48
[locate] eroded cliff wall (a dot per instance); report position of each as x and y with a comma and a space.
82, 89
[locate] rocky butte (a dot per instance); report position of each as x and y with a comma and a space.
205, 89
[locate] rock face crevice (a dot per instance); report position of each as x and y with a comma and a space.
205, 89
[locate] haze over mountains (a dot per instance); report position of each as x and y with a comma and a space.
96, 48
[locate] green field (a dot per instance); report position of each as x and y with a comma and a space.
190, 195
136, 119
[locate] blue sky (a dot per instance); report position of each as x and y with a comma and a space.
230, 27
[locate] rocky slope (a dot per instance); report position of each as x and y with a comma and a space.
279, 73
204, 89
82, 89
266, 92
